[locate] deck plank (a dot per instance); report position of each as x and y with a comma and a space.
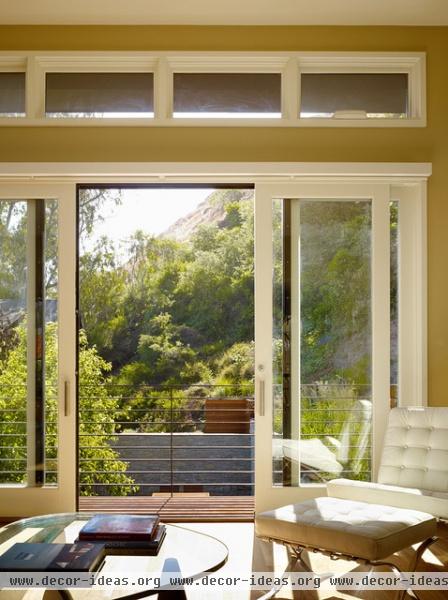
176, 509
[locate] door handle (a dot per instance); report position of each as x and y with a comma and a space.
66, 398
261, 393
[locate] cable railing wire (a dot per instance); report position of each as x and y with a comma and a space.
208, 418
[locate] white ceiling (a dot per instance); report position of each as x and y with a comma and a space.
226, 12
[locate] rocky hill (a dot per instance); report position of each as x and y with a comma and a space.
212, 211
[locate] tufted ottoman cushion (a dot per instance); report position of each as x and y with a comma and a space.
359, 529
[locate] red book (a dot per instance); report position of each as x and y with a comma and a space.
120, 528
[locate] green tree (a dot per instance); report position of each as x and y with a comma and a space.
162, 355
215, 292
92, 202
13, 249
335, 291
97, 412
236, 365
103, 282
204, 284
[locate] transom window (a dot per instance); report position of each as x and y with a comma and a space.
281, 89
12, 95
354, 95
227, 95
99, 95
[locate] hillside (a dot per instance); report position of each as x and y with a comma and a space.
212, 211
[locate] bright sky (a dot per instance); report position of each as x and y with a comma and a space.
148, 210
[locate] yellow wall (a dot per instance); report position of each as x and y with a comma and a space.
265, 144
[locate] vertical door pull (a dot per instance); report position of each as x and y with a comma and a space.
262, 398
66, 398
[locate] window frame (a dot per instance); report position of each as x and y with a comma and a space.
163, 65
412, 64
87, 63
226, 64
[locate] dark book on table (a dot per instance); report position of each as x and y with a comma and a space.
148, 548
79, 556
134, 547
120, 528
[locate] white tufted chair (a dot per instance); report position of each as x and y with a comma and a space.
370, 521
413, 472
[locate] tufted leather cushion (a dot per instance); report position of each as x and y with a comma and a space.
358, 529
415, 450
435, 503
414, 464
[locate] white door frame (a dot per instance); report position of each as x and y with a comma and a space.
31, 180
19, 500
412, 310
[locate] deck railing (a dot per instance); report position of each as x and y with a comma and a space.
330, 436
16, 436
167, 439
156, 440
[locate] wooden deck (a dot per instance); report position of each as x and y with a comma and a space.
182, 508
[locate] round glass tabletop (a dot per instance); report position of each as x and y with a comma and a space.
189, 553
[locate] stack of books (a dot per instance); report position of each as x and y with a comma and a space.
125, 534
80, 556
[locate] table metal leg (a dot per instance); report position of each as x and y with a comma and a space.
173, 595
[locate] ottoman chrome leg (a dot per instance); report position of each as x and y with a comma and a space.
421, 549
294, 555
379, 563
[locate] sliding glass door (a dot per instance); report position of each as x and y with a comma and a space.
326, 319
37, 366
340, 333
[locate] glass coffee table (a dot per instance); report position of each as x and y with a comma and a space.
185, 553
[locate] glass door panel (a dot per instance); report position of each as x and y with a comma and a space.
33, 417
322, 336
28, 338
322, 340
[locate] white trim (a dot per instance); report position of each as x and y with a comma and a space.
359, 62
228, 62
94, 62
34, 91
295, 331
12, 63
412, 311
163, 99
164, 64
291, 91
206, 122
238, 172
263, 347
380, 307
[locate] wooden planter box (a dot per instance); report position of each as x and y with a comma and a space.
228, 415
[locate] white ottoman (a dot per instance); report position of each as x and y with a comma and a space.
344, 527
